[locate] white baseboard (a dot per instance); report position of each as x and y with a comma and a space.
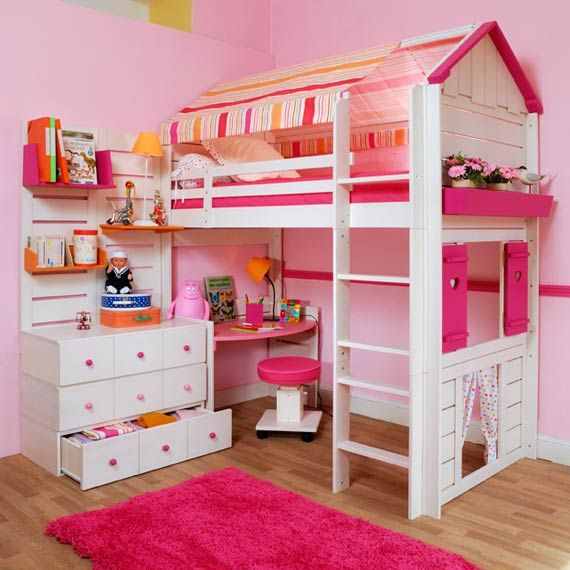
553, 449
238, 394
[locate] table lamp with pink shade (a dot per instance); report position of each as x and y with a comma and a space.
147, 144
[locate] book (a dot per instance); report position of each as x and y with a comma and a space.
79, 150
290, 311
50, 250
62, 171
220, 293
52, 151
39, 134
246, 327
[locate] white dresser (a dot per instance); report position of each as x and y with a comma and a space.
74, 379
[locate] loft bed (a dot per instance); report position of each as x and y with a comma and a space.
396, 110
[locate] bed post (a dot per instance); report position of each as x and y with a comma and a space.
531, 361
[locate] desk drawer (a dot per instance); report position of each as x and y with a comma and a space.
209, 432
184, 385
182, 346
163, 445
100, 462
138, 394
86, 360
85, 405
138, 352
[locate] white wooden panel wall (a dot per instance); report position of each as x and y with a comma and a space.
55, 298
483, 111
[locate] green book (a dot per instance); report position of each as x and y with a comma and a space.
52, 151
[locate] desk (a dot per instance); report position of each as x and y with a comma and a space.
295, 339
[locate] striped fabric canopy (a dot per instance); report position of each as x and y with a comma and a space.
378, 80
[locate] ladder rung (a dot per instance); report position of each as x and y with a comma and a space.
373, 347
370, 179
373, 278
369, 385
374, 453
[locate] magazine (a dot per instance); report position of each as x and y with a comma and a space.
80, 156
220, 292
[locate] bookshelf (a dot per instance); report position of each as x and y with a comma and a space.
31, 263
107, 228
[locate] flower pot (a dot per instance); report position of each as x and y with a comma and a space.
459, 183
497, 185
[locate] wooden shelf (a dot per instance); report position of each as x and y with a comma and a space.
31, 172
31, 264
106, 228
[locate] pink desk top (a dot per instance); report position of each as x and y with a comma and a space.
223, 332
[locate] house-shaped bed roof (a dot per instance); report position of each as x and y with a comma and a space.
378, 79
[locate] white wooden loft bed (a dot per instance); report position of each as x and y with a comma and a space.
473, 98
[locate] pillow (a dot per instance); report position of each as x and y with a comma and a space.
195, 160
237, 150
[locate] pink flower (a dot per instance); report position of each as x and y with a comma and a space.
451, 161
457, 171
508, 172
473, 165
489, 169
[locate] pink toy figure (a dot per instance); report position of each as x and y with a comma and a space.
189, 303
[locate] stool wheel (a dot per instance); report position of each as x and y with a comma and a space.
307, 436
262, 434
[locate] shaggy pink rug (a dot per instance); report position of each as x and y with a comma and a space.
228, 519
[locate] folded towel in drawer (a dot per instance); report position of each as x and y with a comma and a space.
153, 419
192, 413
105, 432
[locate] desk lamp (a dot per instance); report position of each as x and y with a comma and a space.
147, 144
258, 268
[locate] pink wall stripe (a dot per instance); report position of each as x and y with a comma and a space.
174, 132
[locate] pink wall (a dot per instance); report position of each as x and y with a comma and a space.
95, 69
328, 27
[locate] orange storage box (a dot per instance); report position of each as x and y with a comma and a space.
134, 318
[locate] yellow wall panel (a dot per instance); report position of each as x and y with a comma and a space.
175, 14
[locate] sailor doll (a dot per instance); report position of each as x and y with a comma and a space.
119, 276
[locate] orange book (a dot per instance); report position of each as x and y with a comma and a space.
62, 170
39, 134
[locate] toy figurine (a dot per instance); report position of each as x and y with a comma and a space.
158, 215
189, 303
119, 276
125, 214
83, 320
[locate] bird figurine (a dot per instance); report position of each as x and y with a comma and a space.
529, 178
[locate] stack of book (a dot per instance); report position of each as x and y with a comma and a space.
49, 249
63, 156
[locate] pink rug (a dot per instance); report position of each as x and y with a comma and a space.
228, 519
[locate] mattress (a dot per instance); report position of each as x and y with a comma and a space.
361, 193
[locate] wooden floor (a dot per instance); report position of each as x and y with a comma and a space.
519, 519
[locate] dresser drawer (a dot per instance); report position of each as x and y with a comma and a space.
86, 404
209, 432
138, 352
184, 385
163, 445
138, 394
186, 345
101, 462
86, 360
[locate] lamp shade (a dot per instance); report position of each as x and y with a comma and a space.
147, 144
257, 268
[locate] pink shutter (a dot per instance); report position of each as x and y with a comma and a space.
516, 288
454, 288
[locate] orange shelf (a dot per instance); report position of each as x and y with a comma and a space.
157, 229
31, 264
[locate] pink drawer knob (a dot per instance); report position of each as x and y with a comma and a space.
112, 462
88, 406
140, 354
88, 362
166, 447
187, 347
140, 396
187, 387
212, 435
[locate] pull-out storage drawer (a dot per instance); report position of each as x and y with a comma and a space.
163, 445
138, 352
86, 360
184, 385
86, 404
138, 394
183, 346
209, 432
101, 462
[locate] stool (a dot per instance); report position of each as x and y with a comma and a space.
289, 373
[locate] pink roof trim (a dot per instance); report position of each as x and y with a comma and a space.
441, 73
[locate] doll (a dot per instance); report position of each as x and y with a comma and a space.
189, 303
119, 276
158, 215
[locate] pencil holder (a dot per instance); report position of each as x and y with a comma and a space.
254, 313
